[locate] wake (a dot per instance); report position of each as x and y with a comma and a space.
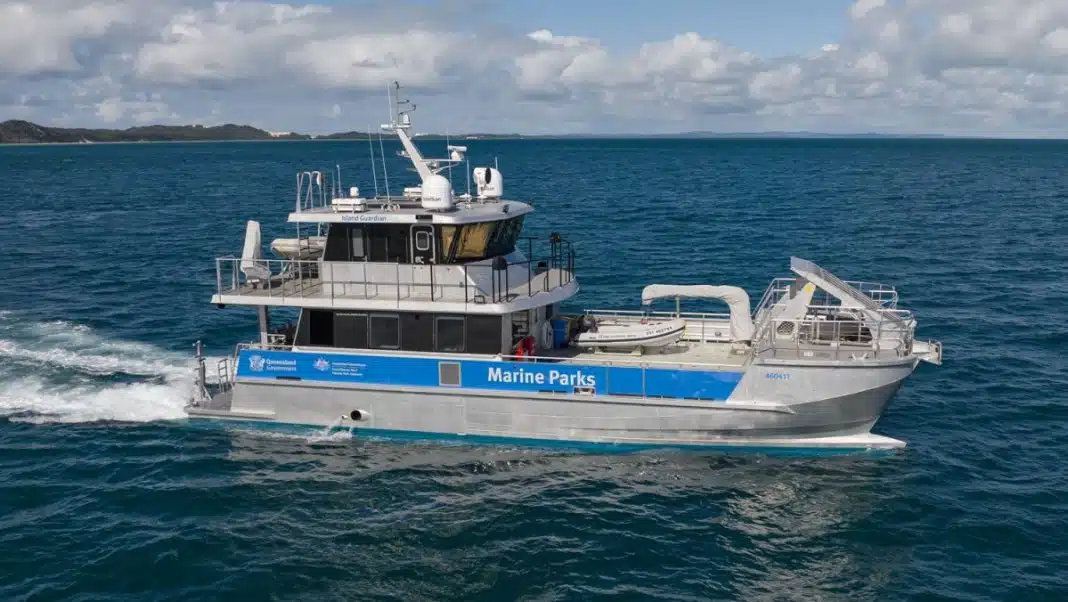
65, 372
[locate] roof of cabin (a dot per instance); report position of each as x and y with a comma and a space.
406, 211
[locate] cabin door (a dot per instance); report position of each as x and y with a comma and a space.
423, 259
423, 244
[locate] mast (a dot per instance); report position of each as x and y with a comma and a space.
400, 125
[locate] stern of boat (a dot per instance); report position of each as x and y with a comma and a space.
211, 396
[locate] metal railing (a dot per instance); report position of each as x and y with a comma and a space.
497, 281
834, 334
884, 296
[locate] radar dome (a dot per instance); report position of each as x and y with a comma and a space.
437, 193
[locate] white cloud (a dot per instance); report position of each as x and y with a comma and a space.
229, 41
38, 37
861, 8
369, 61
905, 65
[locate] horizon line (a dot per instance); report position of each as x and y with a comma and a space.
283, 135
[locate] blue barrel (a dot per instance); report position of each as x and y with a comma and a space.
559, 332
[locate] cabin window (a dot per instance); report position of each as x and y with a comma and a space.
321, 328
422, 240
336, 243
413, 331
474, 240
449, 333
350, 330
447, 234
357, 246
385, 332
504, 238
417, 331
388, 243
483, 334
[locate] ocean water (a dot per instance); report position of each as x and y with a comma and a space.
106, 493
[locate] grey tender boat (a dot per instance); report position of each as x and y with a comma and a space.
426, 315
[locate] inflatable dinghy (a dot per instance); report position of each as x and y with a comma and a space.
310, 248
632, 334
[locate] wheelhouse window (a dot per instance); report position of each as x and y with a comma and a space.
447, 235
449, 333
385, 332
474, 240
488, 239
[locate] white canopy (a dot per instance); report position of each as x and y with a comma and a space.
736, 298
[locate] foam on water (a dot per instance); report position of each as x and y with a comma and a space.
65, 372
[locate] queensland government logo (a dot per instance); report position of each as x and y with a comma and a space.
256, 363
322, 364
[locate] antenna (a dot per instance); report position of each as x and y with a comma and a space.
385, 174
447, 145
374, 172
467, 163
389, 101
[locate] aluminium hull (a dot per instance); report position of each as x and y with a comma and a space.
765, 413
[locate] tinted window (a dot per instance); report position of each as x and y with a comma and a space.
449, 334
337, 243
358, 246
447, 234
474, 240
483, 334
385, 332
321, 328
350, 330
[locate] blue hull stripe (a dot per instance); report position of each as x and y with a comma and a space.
488, 374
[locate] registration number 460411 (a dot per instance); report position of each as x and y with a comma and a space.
777, 375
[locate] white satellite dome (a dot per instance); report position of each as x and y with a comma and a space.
437, 193
489, 183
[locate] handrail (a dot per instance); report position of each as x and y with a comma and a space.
810, 335
469, 283
627, 313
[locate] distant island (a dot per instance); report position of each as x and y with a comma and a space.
25, 132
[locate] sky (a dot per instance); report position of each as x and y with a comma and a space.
958, 67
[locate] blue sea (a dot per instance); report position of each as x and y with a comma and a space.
107, 493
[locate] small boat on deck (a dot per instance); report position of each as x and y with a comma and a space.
620, 334
303, 249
